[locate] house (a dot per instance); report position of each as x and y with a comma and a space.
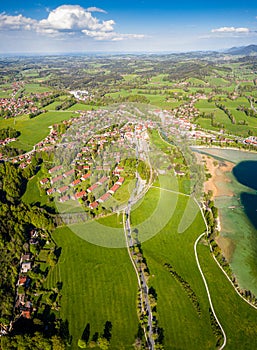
93, 205
92, 188
50, 191
114, 188
104, 197
55, 179
64, 199
26, 257
44, 181
86, 176
54, 169
25, 267
23, 165
62, 189
69, 173
120, 181
102, 180
75, 182
179, 173
80, 194
26, 314
22, 280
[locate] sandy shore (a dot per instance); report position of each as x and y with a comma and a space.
218, 170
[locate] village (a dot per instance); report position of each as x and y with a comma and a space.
96, 175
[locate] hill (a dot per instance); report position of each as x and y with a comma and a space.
243, 50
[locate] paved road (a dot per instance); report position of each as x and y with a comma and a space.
142, 283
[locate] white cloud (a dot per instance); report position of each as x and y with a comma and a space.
66, 20
112, 36
16, 22
230, 30
69, 17
95, 9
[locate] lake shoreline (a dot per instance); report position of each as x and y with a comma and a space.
237, 236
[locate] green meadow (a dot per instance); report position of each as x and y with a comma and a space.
35, 129
99, 285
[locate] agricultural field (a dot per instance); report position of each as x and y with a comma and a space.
99, 285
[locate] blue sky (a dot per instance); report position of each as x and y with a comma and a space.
100, 25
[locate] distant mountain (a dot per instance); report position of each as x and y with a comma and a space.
242, 50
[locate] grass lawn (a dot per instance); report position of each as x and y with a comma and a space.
99, 285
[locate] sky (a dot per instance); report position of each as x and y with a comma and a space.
43, 27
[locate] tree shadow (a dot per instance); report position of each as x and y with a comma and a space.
86, 333
107, 330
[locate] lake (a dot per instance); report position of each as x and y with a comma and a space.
238, 213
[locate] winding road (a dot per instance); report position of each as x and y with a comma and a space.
203, 278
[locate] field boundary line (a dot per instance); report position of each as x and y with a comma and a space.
172, 191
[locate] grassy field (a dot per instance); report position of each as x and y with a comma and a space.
222, 118
99, 285
34, 193
36, 88
36, 129
237, 317
183, 328
81, 107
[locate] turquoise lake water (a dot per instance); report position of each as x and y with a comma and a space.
238, 213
